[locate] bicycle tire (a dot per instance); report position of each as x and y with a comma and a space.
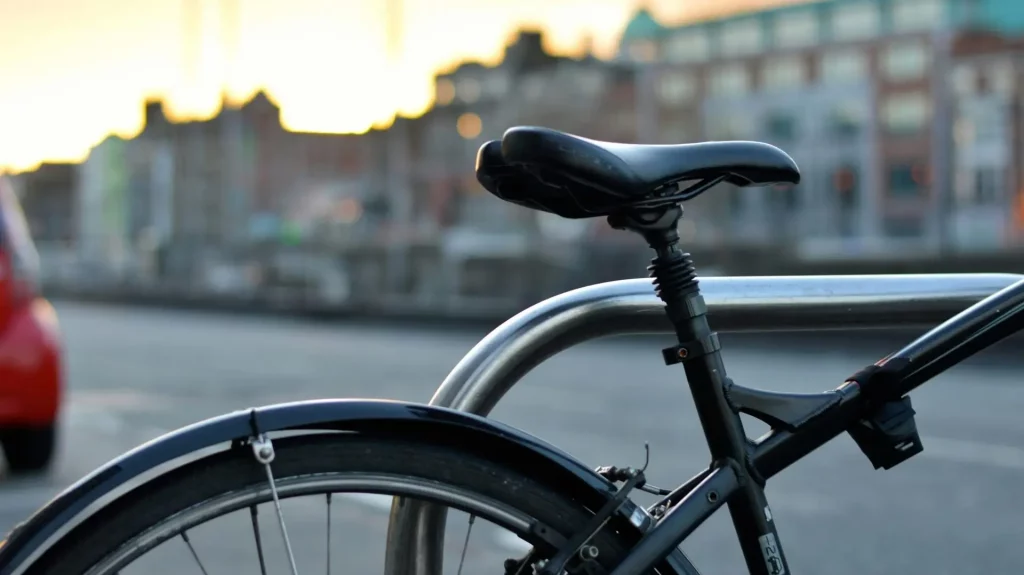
226, 472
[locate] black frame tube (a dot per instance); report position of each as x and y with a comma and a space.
975, 329
700, 503
676, 283
728, 444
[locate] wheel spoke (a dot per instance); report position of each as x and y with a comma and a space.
263, 449
184, 537
328, 534
259, 540
465, 544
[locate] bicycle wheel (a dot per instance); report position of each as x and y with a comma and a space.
170, 505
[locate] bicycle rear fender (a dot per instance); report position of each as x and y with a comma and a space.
528, 454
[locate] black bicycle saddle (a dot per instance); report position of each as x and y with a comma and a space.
576, 177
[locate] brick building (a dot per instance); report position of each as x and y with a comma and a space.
853, 89
475, 103
240, 176
986, 209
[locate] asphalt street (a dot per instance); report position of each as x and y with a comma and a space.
136, 373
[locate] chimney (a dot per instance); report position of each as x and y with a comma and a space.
154, 110
528, 50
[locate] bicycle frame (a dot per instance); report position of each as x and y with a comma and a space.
488, 371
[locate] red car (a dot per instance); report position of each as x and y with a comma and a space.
30, 347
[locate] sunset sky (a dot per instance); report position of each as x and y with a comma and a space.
72, 71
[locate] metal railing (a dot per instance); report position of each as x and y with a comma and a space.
780, 303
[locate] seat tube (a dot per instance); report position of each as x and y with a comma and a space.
726, 438
675, 281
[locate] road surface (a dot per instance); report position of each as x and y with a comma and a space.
135, 374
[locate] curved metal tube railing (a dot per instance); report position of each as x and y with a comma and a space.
763, 303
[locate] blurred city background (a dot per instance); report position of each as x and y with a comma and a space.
318, 156
904, 116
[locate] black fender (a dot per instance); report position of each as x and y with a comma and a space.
532, 456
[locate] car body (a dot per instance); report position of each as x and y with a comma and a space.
31, 374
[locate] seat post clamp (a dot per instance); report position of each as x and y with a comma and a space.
691, 350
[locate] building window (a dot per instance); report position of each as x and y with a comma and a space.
624, 122
846, 183
909, 15
591, 83
729, 81
988, 187
468, 90
784, 197
906, 113
445, 92
843, 66
964, 80
981, 187
533, 88
796, 29
906, 180
675, 131
903, 227
688, 46
741, 37
732, 125
780, 127
963, 132
783, 73
846, 119
642, 51
856, 21
496, 84
905, 61
1001, 76
963, 185
676, 87
983, 119
735, 200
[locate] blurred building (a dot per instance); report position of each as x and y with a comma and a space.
986, 209
853, 89
477, 103
124, 198
48, 197
903, 115
240, 178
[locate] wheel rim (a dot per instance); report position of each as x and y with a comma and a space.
462, 499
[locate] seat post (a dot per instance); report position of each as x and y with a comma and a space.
673, 271
675, 282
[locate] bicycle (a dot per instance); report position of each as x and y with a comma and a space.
576, 519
